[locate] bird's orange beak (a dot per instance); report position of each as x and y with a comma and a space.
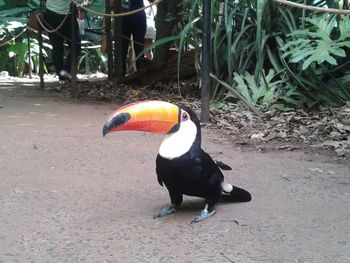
150, 116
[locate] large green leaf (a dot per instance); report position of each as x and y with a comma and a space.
316, 43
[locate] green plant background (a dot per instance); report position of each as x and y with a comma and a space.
275, 56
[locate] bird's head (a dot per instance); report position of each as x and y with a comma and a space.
150, 116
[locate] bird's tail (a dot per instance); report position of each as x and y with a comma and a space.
231, 193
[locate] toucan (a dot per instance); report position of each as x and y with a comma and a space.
181, 164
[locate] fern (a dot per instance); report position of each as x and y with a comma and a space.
316, 43
262, 93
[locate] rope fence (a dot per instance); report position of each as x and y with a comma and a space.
52, 30
13, 38
45, 26
314, 8
114, 14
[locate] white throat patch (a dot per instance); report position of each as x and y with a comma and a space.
178, 143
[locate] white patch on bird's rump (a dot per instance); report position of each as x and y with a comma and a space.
178, 143
227, 187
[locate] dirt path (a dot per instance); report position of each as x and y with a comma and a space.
69, 195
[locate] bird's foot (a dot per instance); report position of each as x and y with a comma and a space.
204, 215
165, 211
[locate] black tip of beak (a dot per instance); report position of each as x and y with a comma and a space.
105, 130
117, 121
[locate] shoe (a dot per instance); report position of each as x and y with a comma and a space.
64, 75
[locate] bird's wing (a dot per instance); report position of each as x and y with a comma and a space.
206, 166
159, 178
223, 166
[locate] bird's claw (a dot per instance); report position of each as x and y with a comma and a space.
204, 215
165, 211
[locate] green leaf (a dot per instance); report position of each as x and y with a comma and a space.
241, 87
313, 44
338, 52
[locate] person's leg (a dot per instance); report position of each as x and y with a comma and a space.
67, 31
149, 37
148, 54
57, 51
138, 33
52, 21
126, 34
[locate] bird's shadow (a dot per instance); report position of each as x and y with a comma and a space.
190, 205
195, 204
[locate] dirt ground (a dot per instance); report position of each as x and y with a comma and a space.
69, 195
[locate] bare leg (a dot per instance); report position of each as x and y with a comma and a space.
148, 54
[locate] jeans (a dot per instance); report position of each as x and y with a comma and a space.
134, 25
53, 20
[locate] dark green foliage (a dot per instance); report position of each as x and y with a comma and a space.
14, 52
314, 58
276, 56
92, 60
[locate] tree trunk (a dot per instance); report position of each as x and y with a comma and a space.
118, 42
165, 21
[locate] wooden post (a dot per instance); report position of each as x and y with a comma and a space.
29, 55
205, 87
118, 41
73, 50
41, 57
108, 36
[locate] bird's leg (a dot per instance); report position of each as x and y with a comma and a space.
165, 211
176, 200
204, 214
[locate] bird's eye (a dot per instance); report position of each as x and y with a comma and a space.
184, 116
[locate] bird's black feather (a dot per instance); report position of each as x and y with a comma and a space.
191, 175
194, 173
223, 166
